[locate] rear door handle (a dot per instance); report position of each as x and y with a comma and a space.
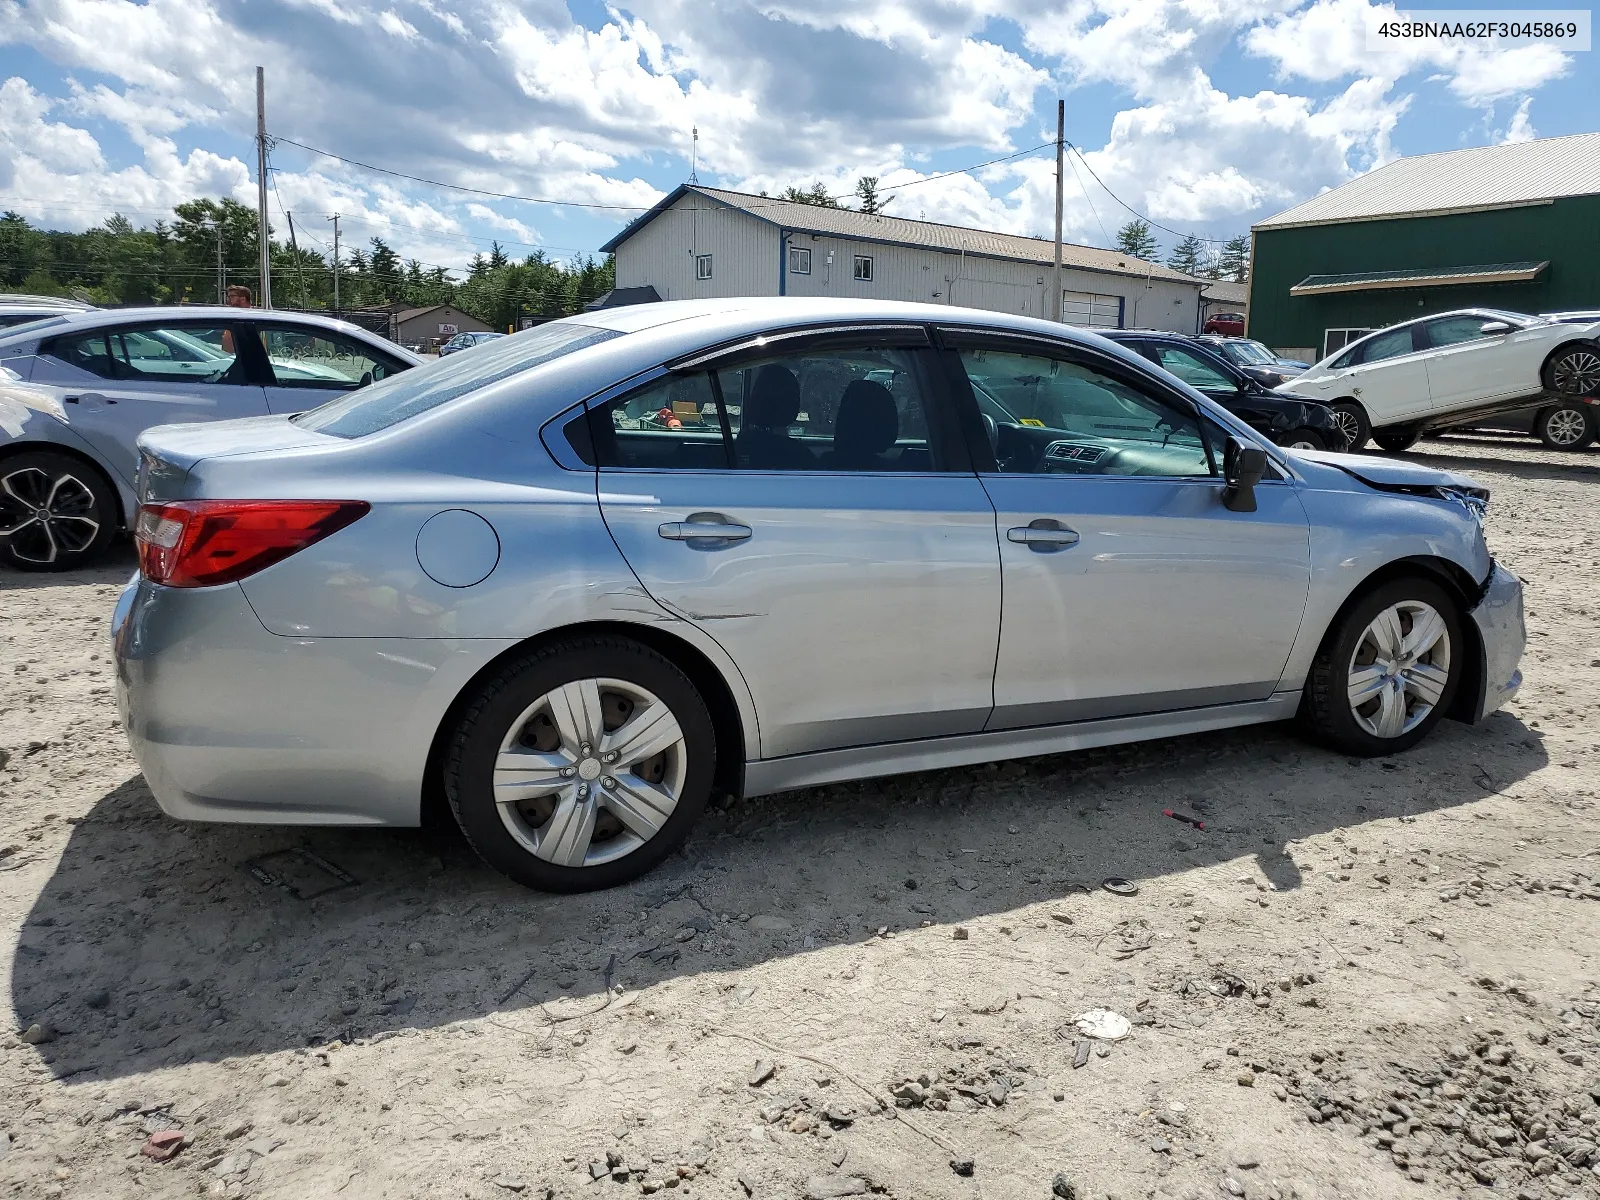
1043, 536
705, 527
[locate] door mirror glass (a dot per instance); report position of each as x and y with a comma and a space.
1242, 468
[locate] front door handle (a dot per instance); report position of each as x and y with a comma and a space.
705, 527
1044, 536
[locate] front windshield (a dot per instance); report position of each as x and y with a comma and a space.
1251, 353
392, 400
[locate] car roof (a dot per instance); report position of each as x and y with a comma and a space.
25, 300
99, 318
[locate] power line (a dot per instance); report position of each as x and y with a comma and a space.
1135, 211
963, 170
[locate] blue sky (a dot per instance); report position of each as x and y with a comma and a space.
1204, 114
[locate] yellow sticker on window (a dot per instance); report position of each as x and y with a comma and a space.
1031, 421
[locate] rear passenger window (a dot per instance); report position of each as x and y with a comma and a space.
672, 424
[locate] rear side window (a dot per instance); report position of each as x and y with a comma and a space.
175, 354
393, 400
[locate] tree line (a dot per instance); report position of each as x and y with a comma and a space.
178, 261
1191, 255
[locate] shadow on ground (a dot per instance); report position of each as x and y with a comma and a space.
115, 565
1581, 467
152, 944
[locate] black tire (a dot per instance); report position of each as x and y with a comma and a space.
501, 701
1573, 370
1353, 422
81, 507
1303, 439
1326, 711
1397, 439
1566, 426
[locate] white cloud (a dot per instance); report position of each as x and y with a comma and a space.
1521, 128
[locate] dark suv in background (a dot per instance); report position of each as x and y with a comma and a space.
1288, 421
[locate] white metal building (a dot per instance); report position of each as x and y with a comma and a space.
702, 242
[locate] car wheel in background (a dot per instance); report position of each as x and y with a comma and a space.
56, 513
1386, 673
581, 765
1397, 438
1565, 426
1303, 439
1353, 423
1573, 371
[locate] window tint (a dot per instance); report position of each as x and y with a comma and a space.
1380, 346
1452, 331
1192, 369
832, 410
671, 424
172, 354
423, 388
1052, 416
303, 359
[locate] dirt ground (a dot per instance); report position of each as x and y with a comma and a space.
1361, 979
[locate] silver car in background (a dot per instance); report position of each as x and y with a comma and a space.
81, 385
584, 575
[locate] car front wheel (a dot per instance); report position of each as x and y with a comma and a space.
1303, 439
1564, 426
1574, 371
55, 512
1353, 423
1396, 439
581, 765
1388, 671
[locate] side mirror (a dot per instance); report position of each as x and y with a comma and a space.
1494, 328
1242, 468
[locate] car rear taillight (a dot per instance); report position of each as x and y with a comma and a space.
199, 543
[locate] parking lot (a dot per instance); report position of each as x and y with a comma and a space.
1361, 978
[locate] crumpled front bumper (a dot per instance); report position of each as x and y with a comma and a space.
1498, 617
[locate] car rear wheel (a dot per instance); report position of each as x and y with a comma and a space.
1388, 671
581, 765
1397, 439
1353, 423
1303, 439
1573, 371
1564, 426
56, 513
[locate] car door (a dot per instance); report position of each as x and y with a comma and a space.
1388, 374
813, 509
1128, 587
1467, 366
114, 383
309, 365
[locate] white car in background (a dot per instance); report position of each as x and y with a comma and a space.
1397, 383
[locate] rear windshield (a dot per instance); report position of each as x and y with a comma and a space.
392, 400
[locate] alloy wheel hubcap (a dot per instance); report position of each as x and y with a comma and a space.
1566, 426
44, 516
1348, 424
1302, 444
1399, 669
1577, 373
590, 771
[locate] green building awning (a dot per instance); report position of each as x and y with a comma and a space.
1371, 281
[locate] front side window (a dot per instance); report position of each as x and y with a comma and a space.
1389, 344
301, 358
865, 409
864, 268
1452, 331
702, 266
799, 260
1052, 416
1193, 369
172, 354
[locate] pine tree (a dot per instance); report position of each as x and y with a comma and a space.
867, 193
1188, 255
1234, 262
816, 194
1135, 239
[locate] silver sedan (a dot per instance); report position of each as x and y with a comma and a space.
588, 574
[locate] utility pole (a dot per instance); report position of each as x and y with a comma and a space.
335, 220
262, 232
1061, 141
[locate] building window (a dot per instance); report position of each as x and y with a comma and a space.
864, 268
702, 266
1334, 340
799, 260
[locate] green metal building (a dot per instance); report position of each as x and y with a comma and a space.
1515, 226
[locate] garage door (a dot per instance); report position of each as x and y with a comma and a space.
1089, 310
